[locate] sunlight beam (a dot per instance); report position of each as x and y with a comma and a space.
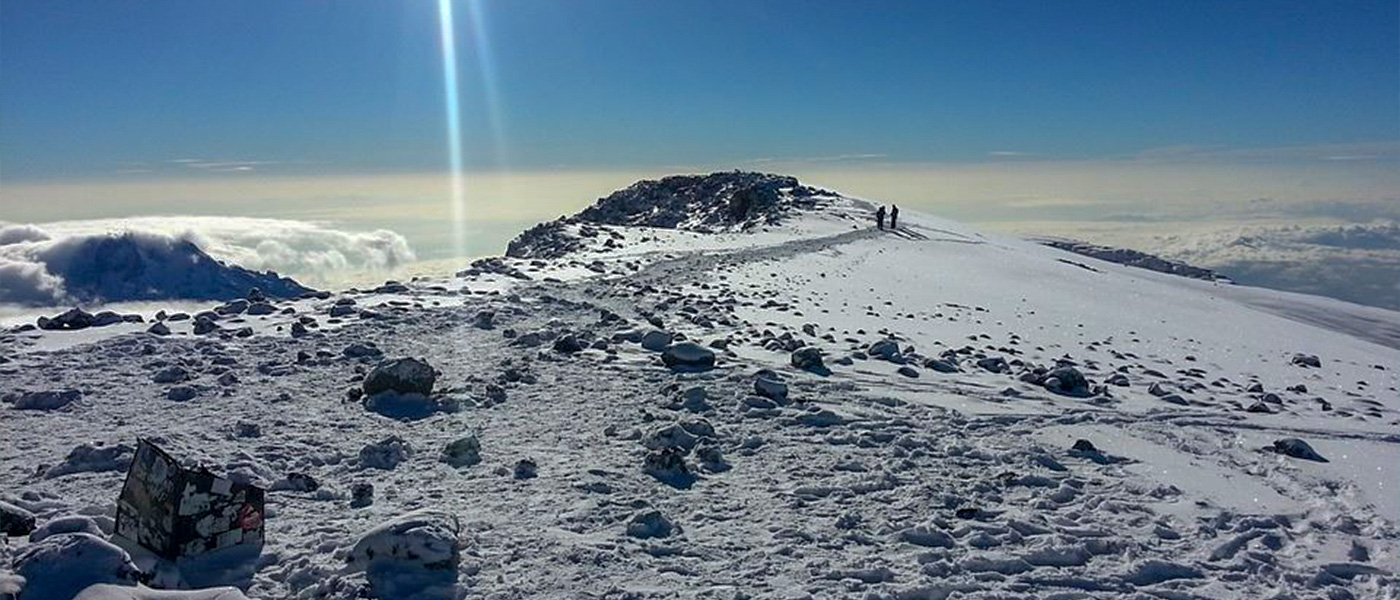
454, 128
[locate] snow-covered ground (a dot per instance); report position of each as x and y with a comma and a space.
926, 468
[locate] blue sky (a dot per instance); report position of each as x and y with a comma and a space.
103, 89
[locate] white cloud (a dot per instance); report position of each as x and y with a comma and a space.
313, 253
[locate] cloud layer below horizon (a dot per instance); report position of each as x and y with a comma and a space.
311, 252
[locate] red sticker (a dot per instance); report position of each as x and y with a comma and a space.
249, 517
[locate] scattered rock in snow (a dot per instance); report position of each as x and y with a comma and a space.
66, 524
462, 452
15, 521
181, 393
885, 350
158, 328
1066, 380
688, 356
1296, 448
656, 340
650, 523
174, 374
1084, 446
809, 358
526, 468
908, 371
995, 364
47, 400
204, 325
90, 458
385, 454
403, 375
567, 344
411, 556
941, 365
62, 565
74, 318
668, 466
769, 387
1307, 360
361, 494
361, 350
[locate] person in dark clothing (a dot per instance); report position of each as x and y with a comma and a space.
894, 216
880, 217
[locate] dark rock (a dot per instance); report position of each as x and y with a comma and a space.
47, 400
75, 318
361, 495
688, 356
809, 358
403, 375
462, 452
15, 521
1307, 360
1296, 448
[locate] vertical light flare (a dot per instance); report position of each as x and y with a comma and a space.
454, 128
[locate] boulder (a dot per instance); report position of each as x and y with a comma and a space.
809, 358
415, 555
771, 388
75, 318
15, 521
181, 393
172, 374
462, 452
650, 523
1296, 448
385, 454
941, 365
1066, 380
62, 565
884, 350
1307, 360
361, 494
47, 400
657, 340
688, 355
403, 375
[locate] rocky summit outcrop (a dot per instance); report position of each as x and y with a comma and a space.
726, 201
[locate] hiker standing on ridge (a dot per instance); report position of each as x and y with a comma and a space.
894, 216
880, 217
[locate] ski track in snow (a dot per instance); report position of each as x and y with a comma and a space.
853, 489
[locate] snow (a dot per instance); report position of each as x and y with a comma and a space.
754, 478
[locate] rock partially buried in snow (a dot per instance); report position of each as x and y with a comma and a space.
1307, 360
90, 458
66, 524
181, 393
1066, 380
462, 452
385, 454
650, 524
174, 374
47, 400
1296, 448
14, 520
769, 387
688, 356
75, 318
402, 375
411, 556
62, 565
809, 358
656, 340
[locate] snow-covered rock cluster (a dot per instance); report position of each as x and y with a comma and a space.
814, 408
725, 201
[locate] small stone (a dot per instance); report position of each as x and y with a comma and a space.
463, 452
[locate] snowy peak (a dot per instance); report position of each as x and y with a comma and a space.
136, 266
719, 202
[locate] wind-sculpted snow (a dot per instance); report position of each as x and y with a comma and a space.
987, 421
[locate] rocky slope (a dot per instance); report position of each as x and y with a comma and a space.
725, 201
815, 409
